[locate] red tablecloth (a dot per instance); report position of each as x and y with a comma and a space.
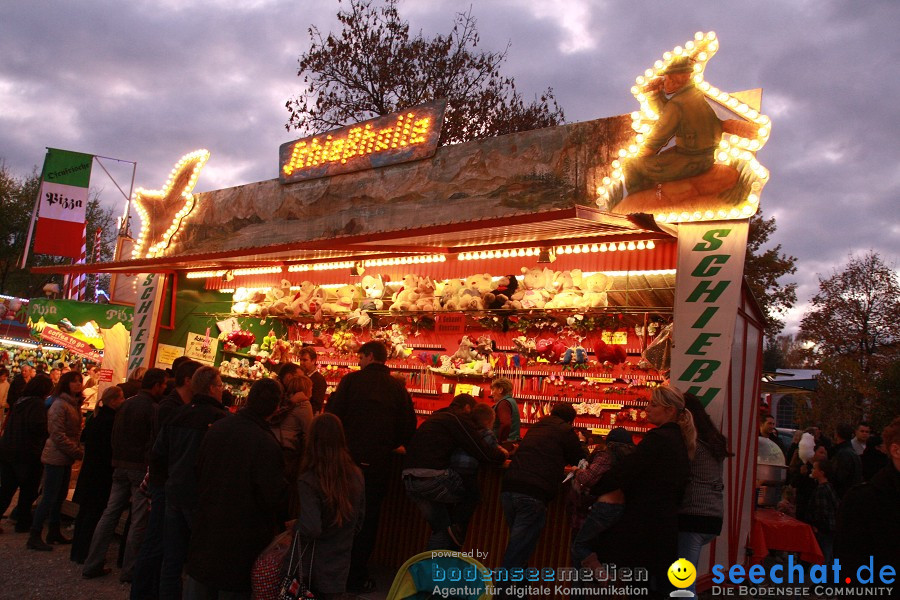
772, 530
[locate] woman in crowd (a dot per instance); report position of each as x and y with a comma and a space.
290, 424
21, 447
95, 478
702, 509
653, 479
332, 501
133, 385
61, 450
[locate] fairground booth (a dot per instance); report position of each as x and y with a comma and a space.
575, 261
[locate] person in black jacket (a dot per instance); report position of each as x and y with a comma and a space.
21, 447
176, 449
240, 484
134, 432
145, 576
533, 479
847, 464
868, 520
653, 479
438, 490
95, 477
377, 414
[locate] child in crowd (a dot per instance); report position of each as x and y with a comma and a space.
590, 515
823, 508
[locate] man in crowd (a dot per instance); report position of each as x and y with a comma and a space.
534, 477
18, 383
868, 521
132, 438
240, 486
768, 431
378, 416
860, 437
177, 447
145, 579
847, 465
307, 359
438, 490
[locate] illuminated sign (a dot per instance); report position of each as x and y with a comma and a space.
397, 138
711, 172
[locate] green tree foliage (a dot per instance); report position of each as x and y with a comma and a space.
764, 270
856, 313
17, 197
374, 67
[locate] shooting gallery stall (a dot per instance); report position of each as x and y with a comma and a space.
519, 256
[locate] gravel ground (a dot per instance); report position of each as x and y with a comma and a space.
27, 574
31, 575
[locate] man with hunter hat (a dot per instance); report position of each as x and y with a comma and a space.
683, 113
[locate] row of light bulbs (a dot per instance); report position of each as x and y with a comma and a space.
435, 258
199, 158
732, 148
575, 249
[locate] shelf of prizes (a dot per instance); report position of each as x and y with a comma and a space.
602, 372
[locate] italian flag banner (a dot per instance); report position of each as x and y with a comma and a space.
63, 199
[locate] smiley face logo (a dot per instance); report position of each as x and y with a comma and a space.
682, 573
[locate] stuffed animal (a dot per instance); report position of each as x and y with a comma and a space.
373, 292
268, 343
343, 300
484, 347
466, 351
469, 298
308, 299
405, 298
426, 299
575, 357
450, 294
534, 290
550, 349
501, 295
594, 288
609, 353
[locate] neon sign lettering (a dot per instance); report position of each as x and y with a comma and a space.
396, 138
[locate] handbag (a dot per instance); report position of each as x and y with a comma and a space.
292, 585
265, 577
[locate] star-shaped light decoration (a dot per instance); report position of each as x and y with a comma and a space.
736, 149
163, 211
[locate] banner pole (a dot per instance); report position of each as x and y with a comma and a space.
34, 211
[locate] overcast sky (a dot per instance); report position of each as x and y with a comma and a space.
150, 81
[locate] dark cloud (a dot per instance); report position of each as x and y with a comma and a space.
149, 81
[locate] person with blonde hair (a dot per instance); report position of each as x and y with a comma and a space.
653, 479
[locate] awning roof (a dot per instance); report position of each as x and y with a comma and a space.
576, 224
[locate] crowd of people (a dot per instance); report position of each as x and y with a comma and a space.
824, 479
207, 489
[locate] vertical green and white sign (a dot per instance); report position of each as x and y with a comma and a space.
146, 312
707, 298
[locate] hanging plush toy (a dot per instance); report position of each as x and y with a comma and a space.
268, 343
